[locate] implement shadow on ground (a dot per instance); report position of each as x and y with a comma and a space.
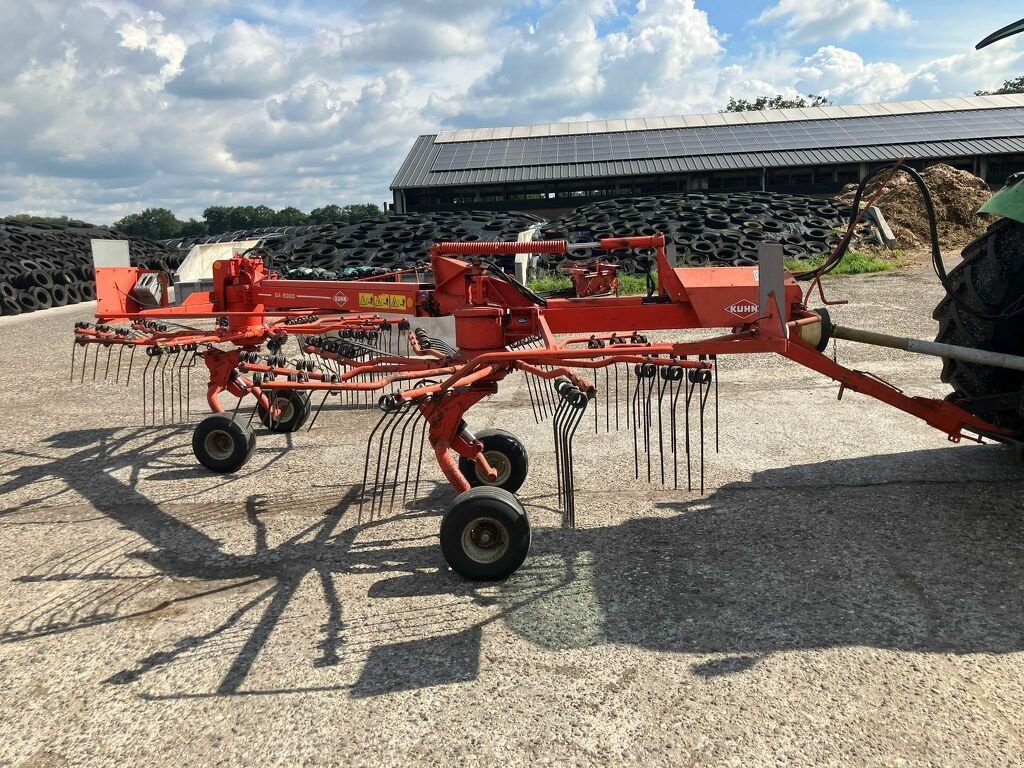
840, 553
114, 576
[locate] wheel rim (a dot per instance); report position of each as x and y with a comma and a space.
219, 445
485, 540
500, 463
285, 410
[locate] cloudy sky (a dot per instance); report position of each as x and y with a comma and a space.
110, 106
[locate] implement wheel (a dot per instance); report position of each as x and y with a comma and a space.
506, 454
222, 443
291, 409
485, 534
991, 279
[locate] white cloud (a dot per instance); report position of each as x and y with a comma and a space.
833, 19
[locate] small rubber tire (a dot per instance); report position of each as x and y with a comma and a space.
223, 443
294, 411
506, 454
485, 534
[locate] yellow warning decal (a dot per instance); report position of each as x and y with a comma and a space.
383, 300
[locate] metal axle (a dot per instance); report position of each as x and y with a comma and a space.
964, 354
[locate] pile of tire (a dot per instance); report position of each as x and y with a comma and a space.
705, 228
394, 241
43, 266
269, 234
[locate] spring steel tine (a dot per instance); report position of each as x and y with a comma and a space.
628, 400
607, 401
705, 395
648, 417
400, 418
85, 356
575, 418
366, 464
177, 372
131, 362
106, 369
73, 345
635, 403
533, 400
163, 388
319, 408
689, 396
675, 452
419, 464
542, 398
170, 377
714, 373
95, 364
661, 435
145, 372
556, 424
596, 410
393, 415
408, 459
616, 367
407, 420
120, 353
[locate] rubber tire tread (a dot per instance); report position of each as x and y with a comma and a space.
990, 276
485, 501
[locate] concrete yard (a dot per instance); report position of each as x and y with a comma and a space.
848, 591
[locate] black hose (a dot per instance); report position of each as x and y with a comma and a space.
933, 236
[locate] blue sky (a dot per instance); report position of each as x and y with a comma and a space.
110, 106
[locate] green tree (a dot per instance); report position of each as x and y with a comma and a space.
290, 217
218, 219
1009, 86
57, 221
154, 223
361, 211
192, 228
327, 214
775, 102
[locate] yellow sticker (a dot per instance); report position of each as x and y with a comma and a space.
382, 300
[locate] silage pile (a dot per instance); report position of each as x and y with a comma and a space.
957, 196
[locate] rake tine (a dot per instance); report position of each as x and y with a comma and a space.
170, 378
533, 400
120, 354
689, 396
85, 357
703, 402
616, 397
570, 493
407, 420
145, 373
392, 415
635, 407
714, 373
419, 464
556, 424
95, 364
408, 460
661, 434
678, 374
383, 481
319, 408
106, 369
131, 362
366, 463
73, 345
163, 387
648, 418
607, 402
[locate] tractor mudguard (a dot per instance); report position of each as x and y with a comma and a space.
1008, 201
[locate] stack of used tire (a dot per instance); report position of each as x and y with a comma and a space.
394, 241
705, 228
43, 266
269, 234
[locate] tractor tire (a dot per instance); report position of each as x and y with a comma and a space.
990, 278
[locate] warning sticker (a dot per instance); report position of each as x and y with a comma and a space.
384, 301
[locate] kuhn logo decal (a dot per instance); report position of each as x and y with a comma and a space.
340, 299
742, 309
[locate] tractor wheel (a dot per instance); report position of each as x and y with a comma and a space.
990, 278
506, 454
222, 443
292, 408
485, 534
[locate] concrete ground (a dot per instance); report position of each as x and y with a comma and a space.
848, 591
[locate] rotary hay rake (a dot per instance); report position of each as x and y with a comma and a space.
425, 386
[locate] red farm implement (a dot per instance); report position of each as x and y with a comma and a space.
359, 340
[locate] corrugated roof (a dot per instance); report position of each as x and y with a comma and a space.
419, 158
732, 118
993, 125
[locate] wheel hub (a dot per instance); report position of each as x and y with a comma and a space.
500, 463
485, 540
219, 445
